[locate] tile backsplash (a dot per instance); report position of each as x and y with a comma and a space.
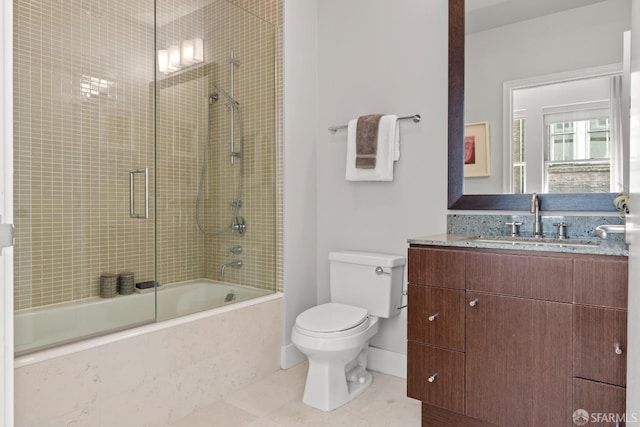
494, 224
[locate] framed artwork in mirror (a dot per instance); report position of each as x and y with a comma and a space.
476, 150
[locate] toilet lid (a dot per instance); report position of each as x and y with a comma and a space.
331, 317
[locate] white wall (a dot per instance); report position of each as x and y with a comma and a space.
586, 37
300, 179
381, 56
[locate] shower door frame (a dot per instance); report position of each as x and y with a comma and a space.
6, 210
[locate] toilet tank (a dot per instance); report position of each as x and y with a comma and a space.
355, 279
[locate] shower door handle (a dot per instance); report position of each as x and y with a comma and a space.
132, 193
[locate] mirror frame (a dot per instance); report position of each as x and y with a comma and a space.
457, 200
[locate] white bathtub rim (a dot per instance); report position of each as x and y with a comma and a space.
66, 349
161, 288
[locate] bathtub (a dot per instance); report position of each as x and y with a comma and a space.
155, 374
45, 327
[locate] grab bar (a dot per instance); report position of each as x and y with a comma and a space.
132, 192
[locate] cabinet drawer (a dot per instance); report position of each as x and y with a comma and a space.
537, 277
598, 398
601, 281
600, 344
436, 376
436, 267
436, 316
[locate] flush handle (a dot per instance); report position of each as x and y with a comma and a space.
380, 270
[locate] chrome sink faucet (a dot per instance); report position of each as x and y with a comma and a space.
236, 264
535, 210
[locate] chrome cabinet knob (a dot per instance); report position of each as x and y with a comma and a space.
432, 378
433, 317
473, 302
618, 349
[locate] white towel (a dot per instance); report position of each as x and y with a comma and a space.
387, 153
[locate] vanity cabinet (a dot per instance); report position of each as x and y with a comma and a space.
504, 338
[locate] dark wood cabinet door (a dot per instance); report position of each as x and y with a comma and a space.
600, 344
436, 267
537, 277
604, 403
436, 316
518, 361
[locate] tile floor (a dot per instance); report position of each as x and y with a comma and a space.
276, 401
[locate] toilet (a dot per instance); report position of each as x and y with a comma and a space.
335, 336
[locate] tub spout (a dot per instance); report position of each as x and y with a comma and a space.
235, 264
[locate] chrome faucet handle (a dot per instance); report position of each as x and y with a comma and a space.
514, 227
562, 229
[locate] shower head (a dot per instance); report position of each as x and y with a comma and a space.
234, 103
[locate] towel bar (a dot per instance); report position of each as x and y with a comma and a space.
416, 118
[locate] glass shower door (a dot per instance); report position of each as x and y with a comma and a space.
215, 145
83, 143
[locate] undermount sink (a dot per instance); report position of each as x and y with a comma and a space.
537, 241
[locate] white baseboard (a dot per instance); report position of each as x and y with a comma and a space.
387, 362
290, 356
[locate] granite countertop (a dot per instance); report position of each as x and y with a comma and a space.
607, 247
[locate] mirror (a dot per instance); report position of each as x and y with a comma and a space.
497, 83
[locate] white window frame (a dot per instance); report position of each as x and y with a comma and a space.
518, 115
572, 113
509, 87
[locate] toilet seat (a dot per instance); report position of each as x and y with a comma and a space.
332, 320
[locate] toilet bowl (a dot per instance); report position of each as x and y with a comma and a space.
337, 358
365, 287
